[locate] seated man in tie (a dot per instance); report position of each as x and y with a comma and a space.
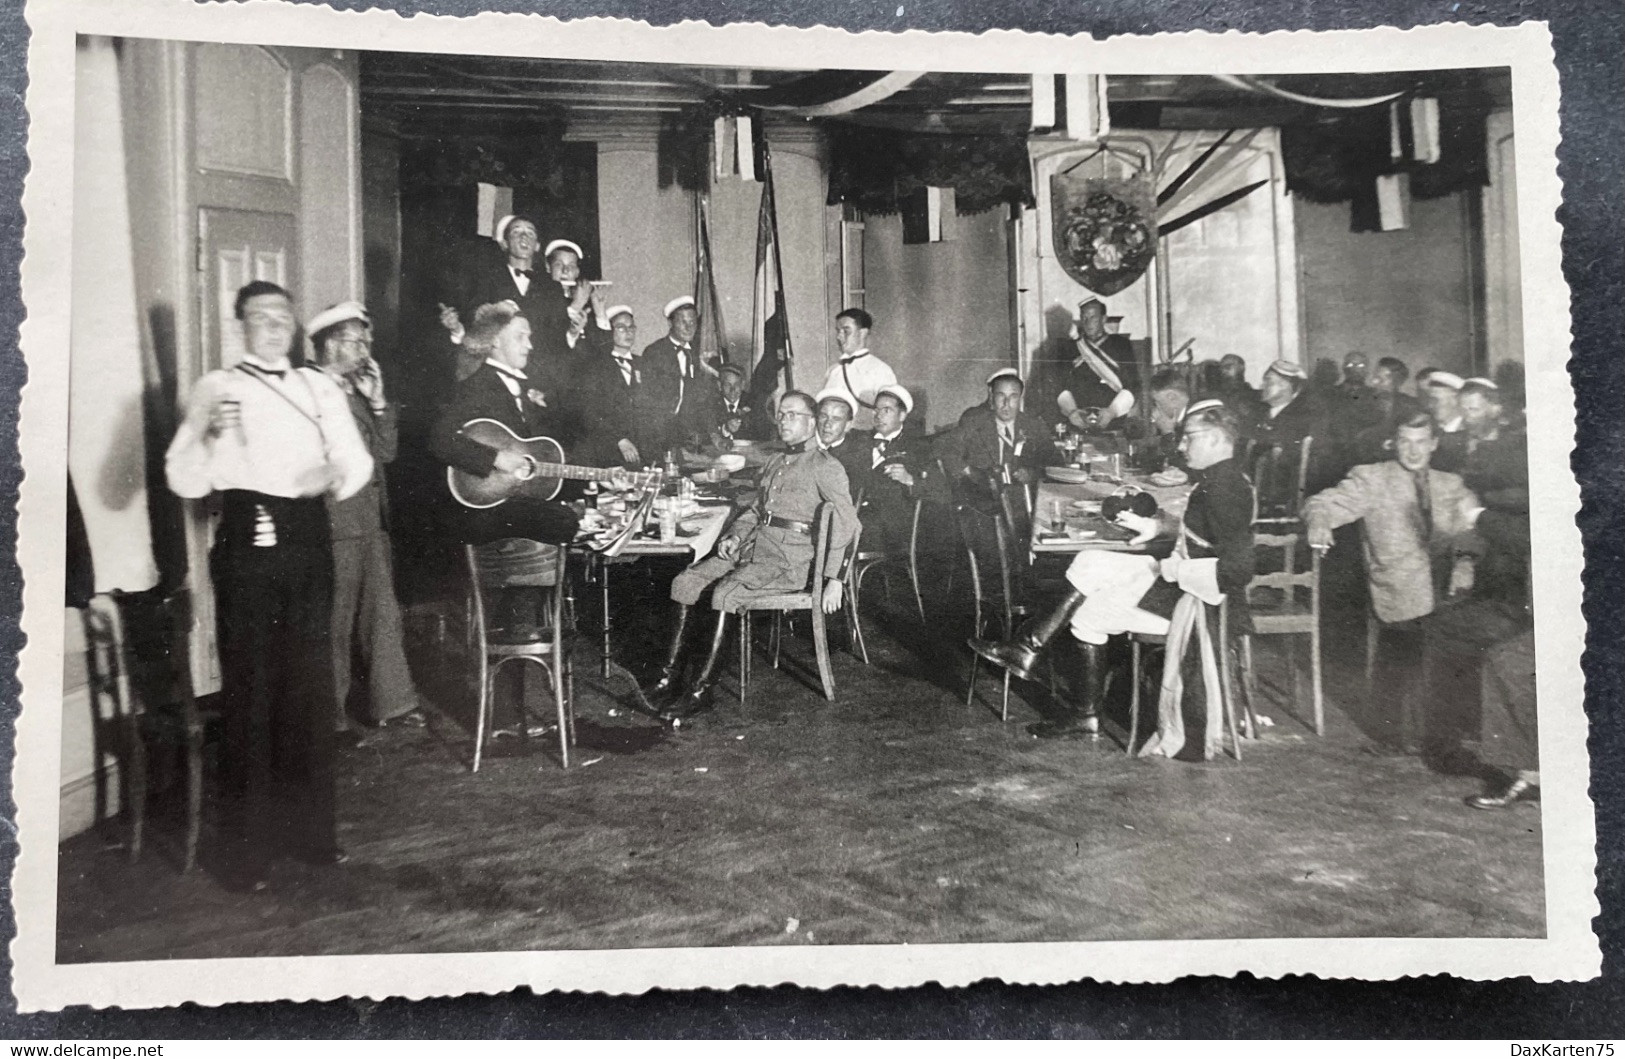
608, 390
997, 441
1412, 515
670, 393
901, 469
501, 390
836, 437
767, 551
1117, 592
859, 374
1440, 392
730, 415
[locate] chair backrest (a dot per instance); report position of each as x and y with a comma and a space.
823, 523
517, 561
1289, 578
1280, 476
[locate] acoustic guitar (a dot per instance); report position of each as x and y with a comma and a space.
544, 474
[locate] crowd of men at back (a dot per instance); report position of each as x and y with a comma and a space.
301, 563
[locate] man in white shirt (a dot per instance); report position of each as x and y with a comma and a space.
859, 374
273, 442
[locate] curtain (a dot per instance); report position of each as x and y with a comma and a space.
107, 453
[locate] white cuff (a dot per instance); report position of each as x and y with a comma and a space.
1122, 404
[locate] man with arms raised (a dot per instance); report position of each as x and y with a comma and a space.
1099, 386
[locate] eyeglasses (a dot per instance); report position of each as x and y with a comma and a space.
1192, 435
795, 415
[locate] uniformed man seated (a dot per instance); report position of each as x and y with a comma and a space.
836, 410
1117, 592
767, 551
899, 469
1097, 388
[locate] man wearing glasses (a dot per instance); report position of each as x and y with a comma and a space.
366, 615
767, 551
1117, 592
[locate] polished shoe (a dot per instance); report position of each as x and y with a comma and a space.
1018, 656
1078, 726
414, 718
1519, 790
698, 699
670, 676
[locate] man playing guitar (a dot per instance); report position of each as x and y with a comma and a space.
500, 391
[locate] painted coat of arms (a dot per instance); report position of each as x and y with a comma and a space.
1105, 229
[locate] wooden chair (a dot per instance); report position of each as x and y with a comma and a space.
1278, 502
810, 600
1227, 687
977, 526
1293, 615
516, 563
122, 680
863, 562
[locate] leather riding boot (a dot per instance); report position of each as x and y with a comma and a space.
1085, 721
1020, 655
1094, 686
698, 698
671, 673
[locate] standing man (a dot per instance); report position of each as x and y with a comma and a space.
273, 441
670, 372
766, 552
1098, 388
859, 374
366, 615
609, 385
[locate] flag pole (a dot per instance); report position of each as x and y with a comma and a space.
778, 261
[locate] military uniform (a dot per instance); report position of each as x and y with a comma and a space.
776, 536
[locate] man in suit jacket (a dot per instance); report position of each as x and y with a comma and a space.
836, 437
1291, 414
501, 390
610, 378
1412, 514
1390, 408
671, 394
730, 414
900, 468
366, 614
997, 439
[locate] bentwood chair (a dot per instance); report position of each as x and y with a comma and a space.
116, 716
520, 563
863, 562
1281, 476
810, 600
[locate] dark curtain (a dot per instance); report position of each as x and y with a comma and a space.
876, 169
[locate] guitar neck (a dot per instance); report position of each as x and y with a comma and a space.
574, 472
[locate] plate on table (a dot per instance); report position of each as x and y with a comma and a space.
1067, 475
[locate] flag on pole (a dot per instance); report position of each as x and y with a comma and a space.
712, 341
770, 330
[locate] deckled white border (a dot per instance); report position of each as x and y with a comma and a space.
1570, 952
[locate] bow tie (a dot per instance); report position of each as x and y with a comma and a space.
855, 356
527, 273
881, 443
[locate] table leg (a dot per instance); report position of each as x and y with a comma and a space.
603, 584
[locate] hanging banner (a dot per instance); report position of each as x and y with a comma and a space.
1105, 228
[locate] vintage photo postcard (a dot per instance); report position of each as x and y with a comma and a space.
591, 506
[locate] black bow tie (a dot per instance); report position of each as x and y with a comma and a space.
527, 273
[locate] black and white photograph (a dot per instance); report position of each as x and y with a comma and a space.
672, 508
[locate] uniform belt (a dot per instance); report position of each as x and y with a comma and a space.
803, 528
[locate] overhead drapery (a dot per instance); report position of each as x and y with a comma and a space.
106, 435
876, 169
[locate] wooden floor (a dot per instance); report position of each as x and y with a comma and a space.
896, 814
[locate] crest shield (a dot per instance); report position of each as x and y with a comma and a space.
1105, 229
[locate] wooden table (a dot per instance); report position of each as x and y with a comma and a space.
1169, 498
711, 519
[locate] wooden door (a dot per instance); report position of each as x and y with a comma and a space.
236, 247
